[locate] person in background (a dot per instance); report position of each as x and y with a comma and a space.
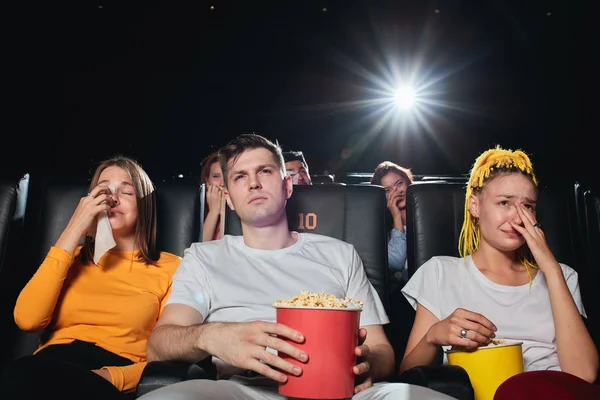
297, 168
214, 210
506, 285
95, 317
395, 180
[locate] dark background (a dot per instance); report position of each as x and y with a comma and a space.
167, 82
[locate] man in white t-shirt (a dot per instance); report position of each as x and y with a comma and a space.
222, 293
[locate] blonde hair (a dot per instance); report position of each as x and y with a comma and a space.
490, 164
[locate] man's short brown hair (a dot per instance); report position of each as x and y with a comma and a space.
249, 141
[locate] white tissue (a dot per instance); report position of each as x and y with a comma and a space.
104, 240
104, 237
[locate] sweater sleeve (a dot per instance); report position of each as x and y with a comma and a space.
126, 378
36, 302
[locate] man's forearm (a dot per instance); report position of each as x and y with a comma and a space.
177, 343
381, 360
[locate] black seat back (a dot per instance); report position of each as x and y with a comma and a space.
352, 213
435, 211
14, 192
590, 275
557, 212
13, 200
434, 215
179, 215
324, 178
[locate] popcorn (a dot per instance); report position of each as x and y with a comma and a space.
318, 299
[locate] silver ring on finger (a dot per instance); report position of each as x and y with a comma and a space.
537, 225
463, 333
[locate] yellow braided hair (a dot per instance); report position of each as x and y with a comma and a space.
490, 163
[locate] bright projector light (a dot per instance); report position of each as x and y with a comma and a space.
405, 97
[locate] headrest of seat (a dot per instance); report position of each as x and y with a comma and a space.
557, 212
50, 210
352, 213
435, 211
322, 178
178, 214
434, 214
13, 198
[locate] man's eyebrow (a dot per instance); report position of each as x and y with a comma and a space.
258, 168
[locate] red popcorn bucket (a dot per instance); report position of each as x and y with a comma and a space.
330, 340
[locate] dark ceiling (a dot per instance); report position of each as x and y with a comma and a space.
167, 82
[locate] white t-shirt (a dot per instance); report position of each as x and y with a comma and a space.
521, 313
225, 280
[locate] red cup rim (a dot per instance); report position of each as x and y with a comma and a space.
319, 308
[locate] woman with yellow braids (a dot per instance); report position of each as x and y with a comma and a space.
506, 284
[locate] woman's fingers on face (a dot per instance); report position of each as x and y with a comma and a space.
95, 191
522, 230
103, 188
105, 199
215, 190
526, 215
101, 193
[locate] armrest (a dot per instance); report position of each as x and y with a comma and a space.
448, 379
157, 374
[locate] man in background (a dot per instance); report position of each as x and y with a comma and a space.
297, 168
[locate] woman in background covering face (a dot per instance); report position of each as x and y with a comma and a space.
214, 212
395, 180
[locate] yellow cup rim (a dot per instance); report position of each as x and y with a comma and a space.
488, 347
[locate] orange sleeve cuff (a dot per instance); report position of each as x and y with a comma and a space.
126, 378
61, 254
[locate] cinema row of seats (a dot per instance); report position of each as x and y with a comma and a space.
34, 211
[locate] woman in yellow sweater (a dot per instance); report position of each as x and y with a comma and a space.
96, 317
